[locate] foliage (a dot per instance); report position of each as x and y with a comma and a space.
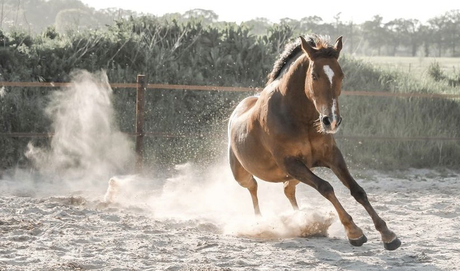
435, 72
438, 37
173, 52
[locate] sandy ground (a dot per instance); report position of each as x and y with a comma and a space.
204, 221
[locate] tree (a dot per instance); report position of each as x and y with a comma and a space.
279, 35
293, 24
415, 32
2, 13
41, 14
173, 17
452, 30
437, 26
310, 24
406, 33
206, 17
375, 33
425, 32
74, 20
338, 24
258, 26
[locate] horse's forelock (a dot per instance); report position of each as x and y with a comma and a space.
323, 47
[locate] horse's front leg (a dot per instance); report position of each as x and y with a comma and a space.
298, 170
338, 166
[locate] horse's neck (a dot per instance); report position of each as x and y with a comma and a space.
293, 89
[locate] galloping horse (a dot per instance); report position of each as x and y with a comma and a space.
280, 135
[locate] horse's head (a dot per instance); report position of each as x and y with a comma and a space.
324, 82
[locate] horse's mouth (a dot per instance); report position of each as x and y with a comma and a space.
327, 130
331, 131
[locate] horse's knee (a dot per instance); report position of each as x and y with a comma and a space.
359, 194
325, 189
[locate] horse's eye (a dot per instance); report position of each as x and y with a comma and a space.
314, 76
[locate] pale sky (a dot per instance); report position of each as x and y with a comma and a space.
242, 10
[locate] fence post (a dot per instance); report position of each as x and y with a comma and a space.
141, 86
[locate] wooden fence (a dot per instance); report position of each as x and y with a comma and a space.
221, 88
141, 86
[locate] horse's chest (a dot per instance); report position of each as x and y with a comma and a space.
313, 150
321, 149
306, 152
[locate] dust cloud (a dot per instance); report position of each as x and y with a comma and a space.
89, 153
87, 146
212, 196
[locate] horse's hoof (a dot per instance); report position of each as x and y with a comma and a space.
358, 242
392, 245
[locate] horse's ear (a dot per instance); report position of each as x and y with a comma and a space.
307, 48
338, 44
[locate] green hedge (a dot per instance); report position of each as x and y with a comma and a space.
189, 53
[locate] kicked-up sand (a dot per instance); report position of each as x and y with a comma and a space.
204, 221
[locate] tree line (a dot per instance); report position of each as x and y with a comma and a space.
438, 37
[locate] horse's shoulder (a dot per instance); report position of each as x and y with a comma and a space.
245, 105
241, 116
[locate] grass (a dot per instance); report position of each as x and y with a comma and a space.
415, 66
398, 117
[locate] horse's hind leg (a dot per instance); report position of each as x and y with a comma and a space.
245, 179
289, 191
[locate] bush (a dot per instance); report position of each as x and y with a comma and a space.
190, 53
435, 72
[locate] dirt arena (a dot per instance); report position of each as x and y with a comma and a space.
204, 221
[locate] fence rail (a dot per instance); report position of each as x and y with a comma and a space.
235, 89
141, 86
205, 135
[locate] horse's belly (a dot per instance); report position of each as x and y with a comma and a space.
263, 168
274, 176
255, 158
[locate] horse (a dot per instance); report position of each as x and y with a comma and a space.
286, 130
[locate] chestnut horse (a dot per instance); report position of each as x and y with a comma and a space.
281, 134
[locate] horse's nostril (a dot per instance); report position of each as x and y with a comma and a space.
339, 121
326, 121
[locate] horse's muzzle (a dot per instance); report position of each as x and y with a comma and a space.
331, 124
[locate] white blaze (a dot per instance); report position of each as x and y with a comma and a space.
329, 72
334, 109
